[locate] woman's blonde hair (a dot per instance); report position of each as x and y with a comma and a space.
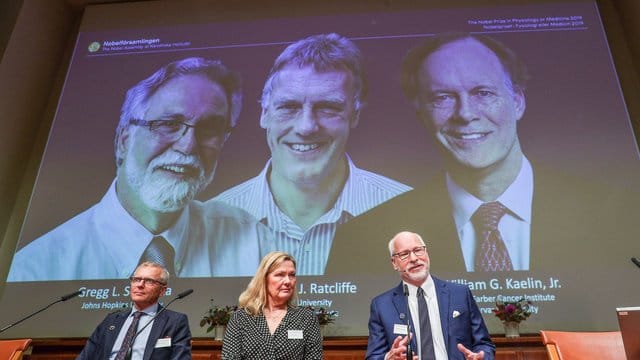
254, 298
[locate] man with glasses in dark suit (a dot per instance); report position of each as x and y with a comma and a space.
438, 319
142, 332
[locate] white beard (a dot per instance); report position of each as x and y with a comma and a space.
163, 194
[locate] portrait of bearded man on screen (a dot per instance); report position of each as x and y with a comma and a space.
172, 128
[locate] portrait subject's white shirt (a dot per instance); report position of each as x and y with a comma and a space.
515, 225
362, 191
105, 242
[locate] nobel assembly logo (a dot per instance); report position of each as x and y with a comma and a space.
114, 46
138, 44
94, 46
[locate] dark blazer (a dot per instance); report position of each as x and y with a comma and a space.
573, 223
168, 324
467, 327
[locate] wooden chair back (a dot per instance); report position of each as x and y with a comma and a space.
572, 345
13, 349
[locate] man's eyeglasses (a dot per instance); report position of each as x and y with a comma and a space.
404, 255
141, 280
211, 133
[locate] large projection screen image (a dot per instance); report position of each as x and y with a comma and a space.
576, 199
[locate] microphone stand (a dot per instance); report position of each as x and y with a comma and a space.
409, 350
180, 296
62, 298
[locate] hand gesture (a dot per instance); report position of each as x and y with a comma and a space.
399, 349
470, 355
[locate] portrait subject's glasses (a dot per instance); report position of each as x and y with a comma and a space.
404, 255
141, 280
212, 134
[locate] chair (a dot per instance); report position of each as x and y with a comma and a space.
13, 349
570, 345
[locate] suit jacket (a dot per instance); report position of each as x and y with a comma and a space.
574, 223
467, 327
168, 324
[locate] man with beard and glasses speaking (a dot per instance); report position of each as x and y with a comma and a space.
172, 128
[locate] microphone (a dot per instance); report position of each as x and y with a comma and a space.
409, 351
69, 296
182, 295
635, 261
61, 299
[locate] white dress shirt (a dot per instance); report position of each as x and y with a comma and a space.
429, 289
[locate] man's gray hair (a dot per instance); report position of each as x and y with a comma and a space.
136, 100
164, 275
391, 243
324, 52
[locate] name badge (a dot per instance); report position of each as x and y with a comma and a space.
400, 329
166, 342
294, 334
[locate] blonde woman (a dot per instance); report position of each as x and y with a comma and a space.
268, 324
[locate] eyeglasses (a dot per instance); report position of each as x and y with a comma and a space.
212, 134
137, 280
404, 255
